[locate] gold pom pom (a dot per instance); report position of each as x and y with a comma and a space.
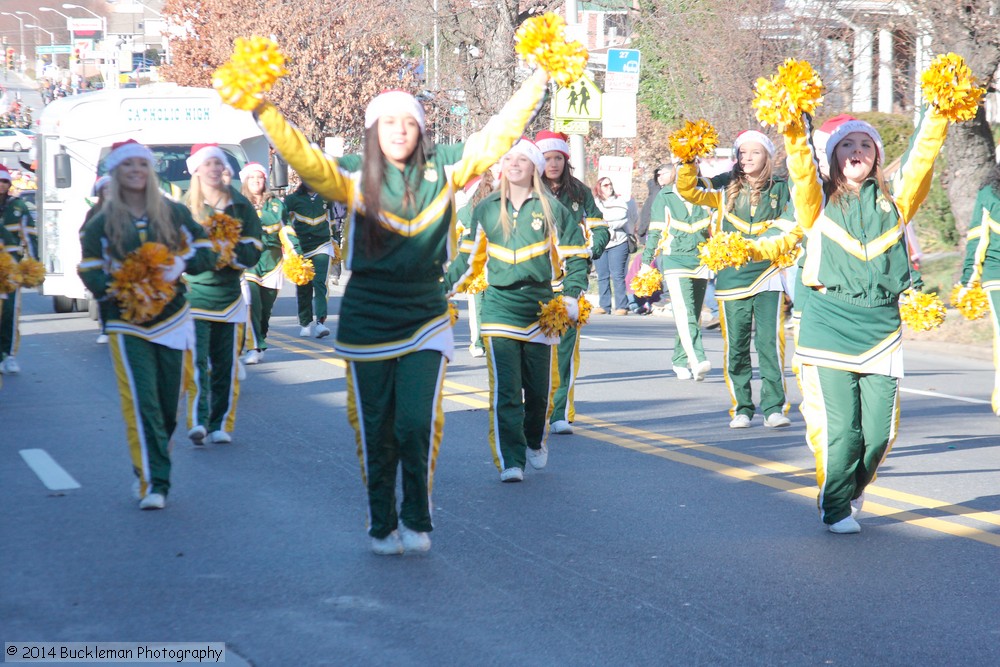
553, 317
138, 284
973, 305
585, 309
694, 140
10, 276
453, 312
782, 99
921, 311
224, 232
31, 272
724, 250
252, 70
477, 284
647, 283
949, 86
786, 259
298, 269
541, 41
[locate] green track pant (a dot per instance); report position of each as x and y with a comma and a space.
10, 336
994, 298
763, 311
210, 376
395, 409
687, 296
149, 385
261, 304
568, 357
312, 296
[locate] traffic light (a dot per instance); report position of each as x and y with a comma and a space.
76, 56
10, 58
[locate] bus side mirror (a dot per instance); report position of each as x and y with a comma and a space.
64, 171
279, 173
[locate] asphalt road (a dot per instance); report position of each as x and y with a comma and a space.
655, 536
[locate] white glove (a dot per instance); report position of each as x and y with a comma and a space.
646, 268
572, 307
172, 272
961, 293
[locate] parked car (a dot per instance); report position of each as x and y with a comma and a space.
15, 139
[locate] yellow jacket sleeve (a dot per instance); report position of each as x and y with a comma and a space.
912, 181
804, 178
699, 194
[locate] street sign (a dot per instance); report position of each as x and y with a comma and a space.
580, 101
623, 71
621, 122
54, 48
573, 126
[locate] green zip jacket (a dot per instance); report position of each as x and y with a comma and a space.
310, 217
982, 250
20, 225
676, 228
590, 216
275, 232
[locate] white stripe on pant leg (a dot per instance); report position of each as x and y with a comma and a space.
356, 417
682, 318
437, 431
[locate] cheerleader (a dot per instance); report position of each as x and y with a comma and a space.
310, 217
480, 188
521, 236
147, 355
394, 328
264, 279
577, 197
751, 201
20, 226
217, 303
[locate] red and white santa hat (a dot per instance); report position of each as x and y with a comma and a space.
124, 150
251, 168
394, 102
200, 153
4, 174
547, 141
839, 127
754, 136
100, 184
530, 150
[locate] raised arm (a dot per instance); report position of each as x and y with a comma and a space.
697, 191
912, 181
804, 179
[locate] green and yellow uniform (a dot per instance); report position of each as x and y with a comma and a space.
982, 267
309, 215
266, 278
21, 242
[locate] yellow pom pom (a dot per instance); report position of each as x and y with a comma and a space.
553, 318
252, 70
921, 311
585, 309
298, 269
647, 283
973, 305
949, 86
724, 250
786, 259
138, 284
782, 99
477, 284
10, 276
453, 312
31, 272
541, 41
694, 140
224, 232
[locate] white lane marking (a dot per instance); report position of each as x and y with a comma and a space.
977, 401
51, 473
603, 340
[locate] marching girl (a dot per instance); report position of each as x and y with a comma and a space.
521, 236
982, 261
147, 353
216, 297
265, 278
309, 214
481, 188
750, 201
676, 228
578, 198
17, 221
394, 328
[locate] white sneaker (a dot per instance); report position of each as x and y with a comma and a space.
388, 545
197, 434
857, 504
562, 427
253, 357
476, 352
414, 541
538, 457
740, 421
221, 438
701, 370
512, 475
682, 373
241, 370
307, 331
321, 330
10, 366
777, 420
102, 339
153, 501
846, 526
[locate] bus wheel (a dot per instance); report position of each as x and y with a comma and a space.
62, 304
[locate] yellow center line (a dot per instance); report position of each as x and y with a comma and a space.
628, 437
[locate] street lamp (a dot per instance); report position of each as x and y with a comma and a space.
17, 11
20, 30
72, 39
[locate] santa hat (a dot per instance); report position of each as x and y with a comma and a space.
394, 102
752, 136
201, 153
839, 127
124, 150
529, 149
251, 168
546, 141
4, 174
100, 184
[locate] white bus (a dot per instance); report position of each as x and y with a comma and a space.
76, 133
